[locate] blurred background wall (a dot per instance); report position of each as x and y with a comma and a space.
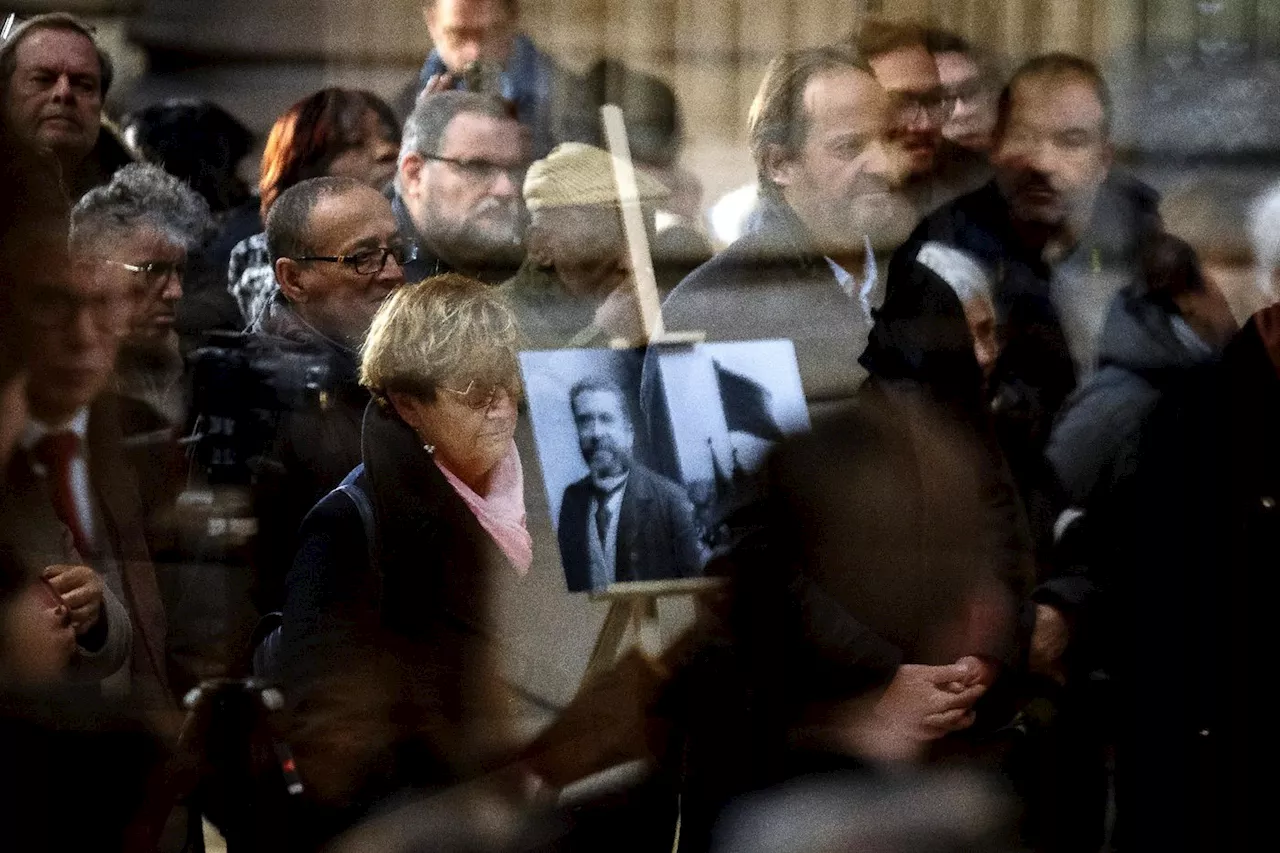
1193, 78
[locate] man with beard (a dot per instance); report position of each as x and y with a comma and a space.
574, 288
462, 162
337, 254
815, 271
622, 522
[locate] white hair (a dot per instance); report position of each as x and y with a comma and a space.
957, 268
1264, 234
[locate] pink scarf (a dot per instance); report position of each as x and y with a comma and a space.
501, 512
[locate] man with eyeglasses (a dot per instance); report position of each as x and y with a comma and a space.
337, 254
138, 230
920, 107
462, 162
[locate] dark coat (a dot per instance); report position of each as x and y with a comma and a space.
882, 550
122, 559
315, 444
657, 537
388, 664
1181, 584
1094, 439
772, 284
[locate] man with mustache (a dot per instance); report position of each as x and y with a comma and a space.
463, 158
54, 77
818, 269
337, 254
622, 522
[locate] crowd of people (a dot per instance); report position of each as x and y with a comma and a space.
274, 555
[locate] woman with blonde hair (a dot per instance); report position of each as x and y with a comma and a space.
385, 646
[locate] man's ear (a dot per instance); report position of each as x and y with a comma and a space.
429, 18
779, 165
411, 166
538, 245
289, 277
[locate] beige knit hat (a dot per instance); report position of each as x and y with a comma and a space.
575, 173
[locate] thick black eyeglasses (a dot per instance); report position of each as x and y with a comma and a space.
485, 170
368, 261
935, 105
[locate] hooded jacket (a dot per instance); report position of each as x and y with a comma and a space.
1144, 348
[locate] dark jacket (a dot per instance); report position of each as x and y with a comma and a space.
30, 525
772, 284
882, 551
539, 89
316, 440
1035, 355
388, 664
1094, 440
1182, 570
657, 538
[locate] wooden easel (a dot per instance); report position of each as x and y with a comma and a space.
636, 604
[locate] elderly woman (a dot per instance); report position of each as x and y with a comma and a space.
385, 634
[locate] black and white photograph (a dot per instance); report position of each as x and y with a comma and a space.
644, 459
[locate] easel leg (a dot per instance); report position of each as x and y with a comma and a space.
610, 639
644, 615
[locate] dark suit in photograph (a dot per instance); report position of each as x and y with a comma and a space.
656, 535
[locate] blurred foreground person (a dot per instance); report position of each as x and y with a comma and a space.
54, 77
575, 288
386, 637
462, 164
865, 623
343, 133
1177, 581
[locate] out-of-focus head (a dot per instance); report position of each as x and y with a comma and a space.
919, 106
137, 230
53, 79
606, 436
1173, 278
1053, 147
33, 253
1264, 233
575, 215
820, 133
194, 140
77, 321
970, 82
466, 31
441, 354
336, 252
1212, 217
345, 133
462, 163
972, 286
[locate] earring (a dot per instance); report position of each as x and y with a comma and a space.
430, 448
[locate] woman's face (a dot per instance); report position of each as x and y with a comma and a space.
471, 427
373, 160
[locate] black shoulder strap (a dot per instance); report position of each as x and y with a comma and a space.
365, 507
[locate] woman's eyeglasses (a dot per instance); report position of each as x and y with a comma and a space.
479, 397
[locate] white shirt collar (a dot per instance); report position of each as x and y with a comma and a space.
867, 291
36, 429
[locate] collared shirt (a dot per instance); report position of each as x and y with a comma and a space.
868, 294
81, 488
604, 552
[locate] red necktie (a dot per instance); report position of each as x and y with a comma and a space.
56, 451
